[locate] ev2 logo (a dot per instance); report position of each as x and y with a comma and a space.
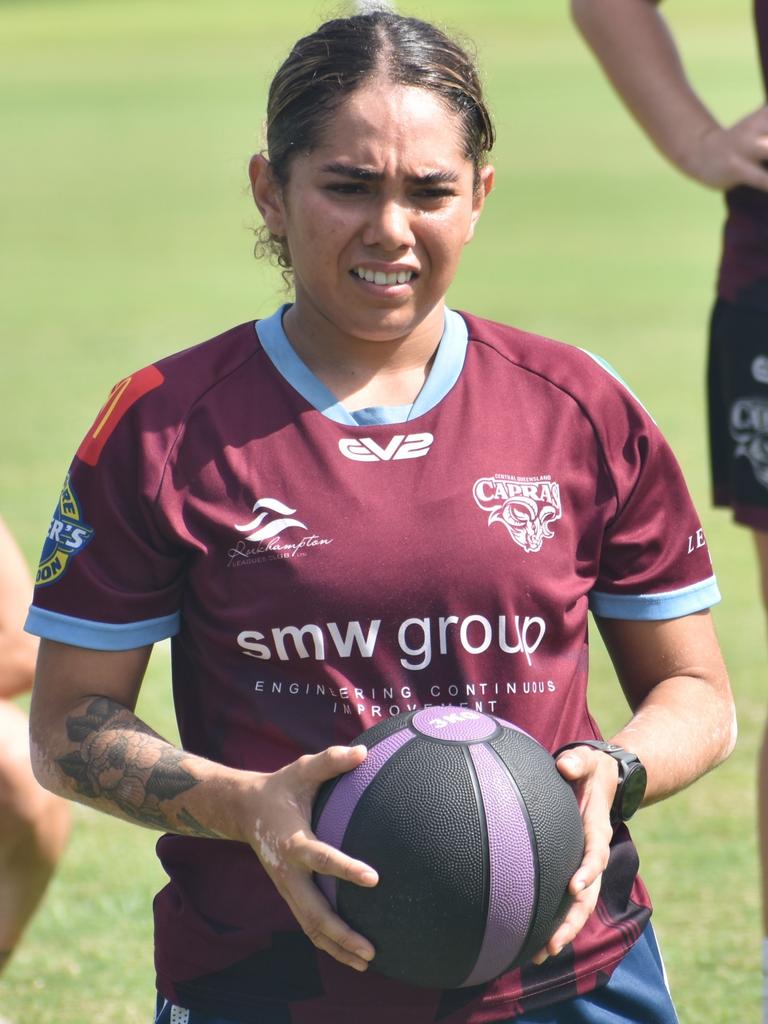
401, 446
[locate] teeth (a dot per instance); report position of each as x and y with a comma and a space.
379, 277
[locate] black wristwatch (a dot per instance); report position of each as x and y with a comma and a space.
632, 777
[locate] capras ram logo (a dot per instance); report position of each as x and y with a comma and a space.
525, 506
401, 446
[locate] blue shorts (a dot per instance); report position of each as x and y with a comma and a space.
636, 993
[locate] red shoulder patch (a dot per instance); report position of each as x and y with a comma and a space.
120, 399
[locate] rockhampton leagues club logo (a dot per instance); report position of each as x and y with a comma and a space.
265, 526
263, 539
67, 536
749, 429
525, 506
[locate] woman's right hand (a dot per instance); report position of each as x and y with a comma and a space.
290, 853
82, 715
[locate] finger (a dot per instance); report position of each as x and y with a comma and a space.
756, 121
341, 954
353, 950
759, 148
340, 942
574, 921
755, 174
322, 926
572, 766
331, 762
597, 839
323, 859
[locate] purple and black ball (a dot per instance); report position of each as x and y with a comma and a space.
475, 836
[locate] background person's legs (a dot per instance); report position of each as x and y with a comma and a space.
34, 826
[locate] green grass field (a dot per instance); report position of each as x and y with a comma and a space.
126, 130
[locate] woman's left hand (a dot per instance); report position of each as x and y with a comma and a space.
594, 776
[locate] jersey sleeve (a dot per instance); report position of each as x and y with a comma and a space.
110, 572
654, 562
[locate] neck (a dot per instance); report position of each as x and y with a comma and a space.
366, 372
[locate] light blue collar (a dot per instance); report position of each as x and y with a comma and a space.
445, 371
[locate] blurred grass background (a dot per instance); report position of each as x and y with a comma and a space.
125, 220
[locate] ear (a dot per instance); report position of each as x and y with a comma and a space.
482, 192
267, 194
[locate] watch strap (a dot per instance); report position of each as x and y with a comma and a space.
625, 759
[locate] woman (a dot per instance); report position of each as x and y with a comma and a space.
366, 503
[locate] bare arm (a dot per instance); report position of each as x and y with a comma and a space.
639, 55
676, 683
17, 648
683, 724
88, 745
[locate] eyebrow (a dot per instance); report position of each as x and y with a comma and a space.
365, 174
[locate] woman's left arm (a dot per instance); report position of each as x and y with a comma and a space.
675, 681
683, 724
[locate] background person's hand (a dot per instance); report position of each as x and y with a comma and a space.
726, 157
290, 853
594, 776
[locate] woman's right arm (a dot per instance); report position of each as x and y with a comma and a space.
639, 56
88, 745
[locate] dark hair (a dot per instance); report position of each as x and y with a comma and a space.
325, 67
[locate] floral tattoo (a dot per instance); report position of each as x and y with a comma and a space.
120, 761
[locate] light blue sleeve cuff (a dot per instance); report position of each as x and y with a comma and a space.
647, 607
100, 636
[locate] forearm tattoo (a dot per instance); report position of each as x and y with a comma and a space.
120, 761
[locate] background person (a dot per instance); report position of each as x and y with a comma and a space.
231, 497
33, 823
633, 43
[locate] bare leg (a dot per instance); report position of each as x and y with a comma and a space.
34, 826
761, 544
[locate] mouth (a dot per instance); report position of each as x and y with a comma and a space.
381, 277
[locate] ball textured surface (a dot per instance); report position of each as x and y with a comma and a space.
475, 836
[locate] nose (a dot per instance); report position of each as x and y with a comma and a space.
389, 227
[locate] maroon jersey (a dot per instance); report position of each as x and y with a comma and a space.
319, 572
744, 265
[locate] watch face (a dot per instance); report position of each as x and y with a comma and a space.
633, 790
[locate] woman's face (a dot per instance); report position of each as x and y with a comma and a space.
377, 215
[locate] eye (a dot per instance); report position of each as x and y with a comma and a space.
347, 188
435, 194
